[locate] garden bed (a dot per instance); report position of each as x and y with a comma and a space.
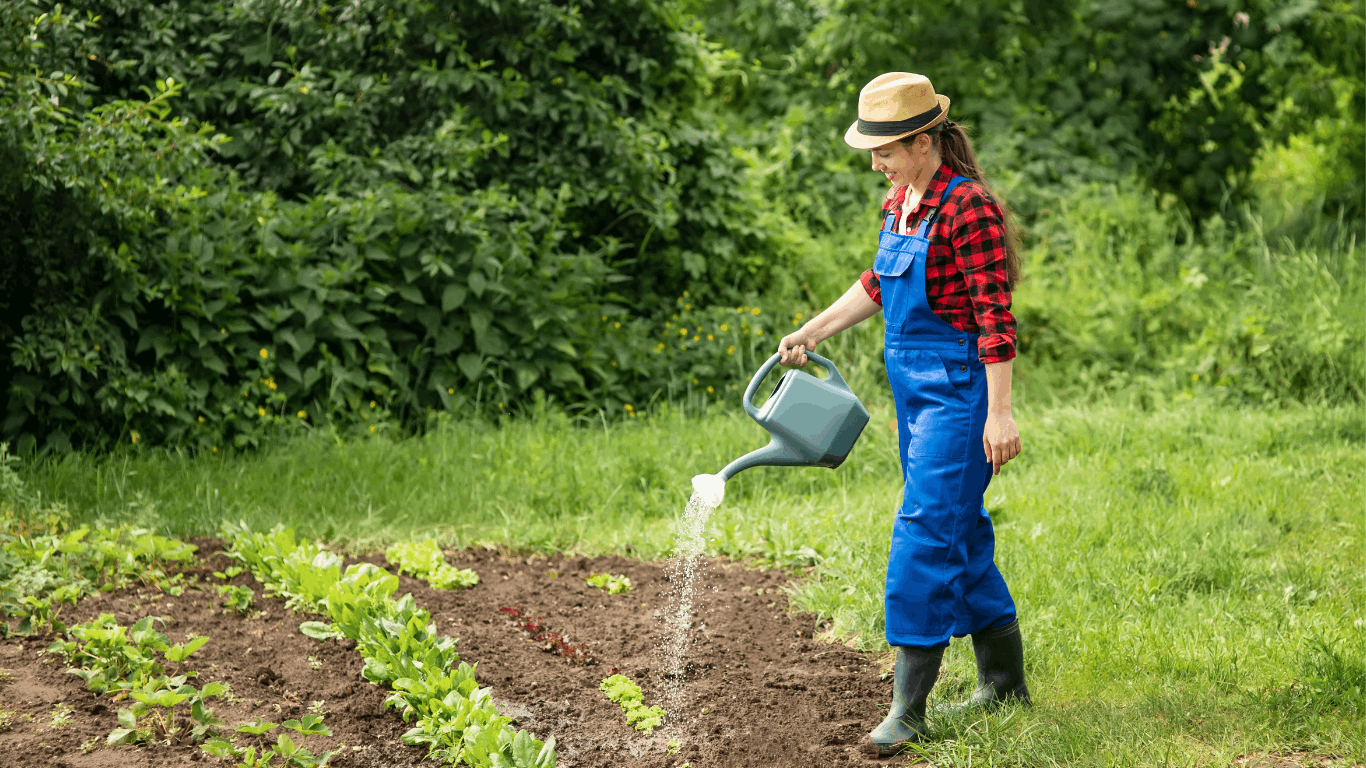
773, 694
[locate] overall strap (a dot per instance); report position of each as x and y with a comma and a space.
943, 197
888, 221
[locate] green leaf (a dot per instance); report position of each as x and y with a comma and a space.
452, 297
257, 727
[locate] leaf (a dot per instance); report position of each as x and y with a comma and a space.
564, 346
127, 719
180, 652
257, 728
471, 365
319, 630
452, 297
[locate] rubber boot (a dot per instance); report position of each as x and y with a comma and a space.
1000, 669
916, 671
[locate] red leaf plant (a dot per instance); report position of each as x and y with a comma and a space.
550, 642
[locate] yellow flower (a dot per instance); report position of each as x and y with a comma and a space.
754, 311
697, 338
730, 350
303, 414
673, 317
711, 337
758, 333
709, 389
799, 315
685, 293
215, 449
796, 322
372, 403
682, 331
629, 407
372, 429
261, 411
687, 307
264, 354
614, 363
604, 318
97, 347
134, 434
616, 325
201, 419
450, 390
694, 381
500, 405
1195, 377
221, 330
725, 328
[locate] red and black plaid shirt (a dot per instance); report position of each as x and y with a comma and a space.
965, 272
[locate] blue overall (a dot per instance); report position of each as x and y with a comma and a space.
941, 578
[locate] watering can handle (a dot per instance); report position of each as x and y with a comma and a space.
835, 379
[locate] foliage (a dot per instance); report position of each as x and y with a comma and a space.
45, 561
456, 719
357, 228
122, 662
624, 691
612, 585
294, 755
424, 560
236, 597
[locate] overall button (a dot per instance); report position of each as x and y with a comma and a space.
961, 342
962, 367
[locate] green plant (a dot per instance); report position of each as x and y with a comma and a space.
612, 585
455, 718
294, 755
625, 692
424, 560
236, 597
60, 716
6, 720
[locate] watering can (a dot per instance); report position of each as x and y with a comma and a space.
814, 423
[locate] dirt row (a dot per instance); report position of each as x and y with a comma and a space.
760, 690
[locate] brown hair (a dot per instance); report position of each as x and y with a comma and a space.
955, 149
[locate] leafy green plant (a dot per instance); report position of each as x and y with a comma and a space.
46, 562
236, 597
627, 694
612, 585
402, 649
424, 560
294, 755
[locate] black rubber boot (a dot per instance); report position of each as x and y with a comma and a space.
916, 671
1000, 668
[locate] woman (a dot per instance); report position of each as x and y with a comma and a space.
942, 277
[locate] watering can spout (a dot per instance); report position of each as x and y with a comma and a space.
771, 455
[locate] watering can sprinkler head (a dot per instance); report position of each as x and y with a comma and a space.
813, 423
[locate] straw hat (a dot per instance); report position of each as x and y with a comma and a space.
894, 106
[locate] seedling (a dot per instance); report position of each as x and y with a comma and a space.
424, 560
315, 662
612, 585
626, 693
257, 728
61, 716
6, 720
549, 641
235, 597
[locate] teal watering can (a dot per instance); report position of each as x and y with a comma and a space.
814, 423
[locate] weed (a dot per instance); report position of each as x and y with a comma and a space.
315, 662
6, 720
61, 716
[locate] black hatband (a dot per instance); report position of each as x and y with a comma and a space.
894, 127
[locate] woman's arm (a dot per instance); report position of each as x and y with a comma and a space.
848, 310
1000, 437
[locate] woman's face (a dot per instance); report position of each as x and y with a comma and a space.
903, 164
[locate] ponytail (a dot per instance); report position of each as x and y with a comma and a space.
955, 149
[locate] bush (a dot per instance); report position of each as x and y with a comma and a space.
400, 210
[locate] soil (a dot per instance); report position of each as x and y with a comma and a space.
760, 690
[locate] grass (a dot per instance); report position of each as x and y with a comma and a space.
1189, 578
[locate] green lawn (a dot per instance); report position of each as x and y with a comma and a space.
1189, 578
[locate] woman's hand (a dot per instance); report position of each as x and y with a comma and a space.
1000, 440
794, 345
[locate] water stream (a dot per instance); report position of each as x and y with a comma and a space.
684, 572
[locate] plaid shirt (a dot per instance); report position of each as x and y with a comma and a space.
965, 272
